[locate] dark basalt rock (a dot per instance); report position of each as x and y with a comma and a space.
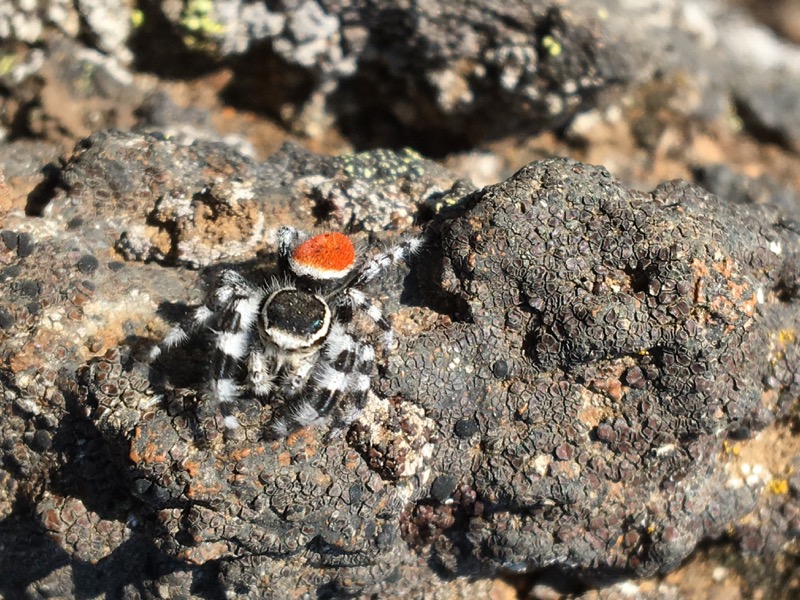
572, 358
637, 332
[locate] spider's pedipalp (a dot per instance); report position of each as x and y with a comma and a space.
263, 372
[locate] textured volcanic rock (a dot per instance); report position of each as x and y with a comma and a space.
611, 340
445, 69
573, 357
105, 24
200, 203
438, 75
447, 73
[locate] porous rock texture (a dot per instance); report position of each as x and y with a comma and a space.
442, 74
572, 359
441, 65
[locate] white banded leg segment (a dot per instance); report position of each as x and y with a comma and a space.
288, 239
232, 285
180, 334
360, 380
226, 393
358, 384
360, 301
356, 299
338, 341
235, 326
383, 261
241, 312
233, 345
304, 414
298, 416
329, 385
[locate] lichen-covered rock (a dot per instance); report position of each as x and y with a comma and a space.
105, 24
202, 203
460, 69
61, 91
609, 342
446, 73
573, 357
68, 297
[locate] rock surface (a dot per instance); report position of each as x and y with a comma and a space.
546, 407
589, 381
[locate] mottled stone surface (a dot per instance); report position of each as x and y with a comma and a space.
455, 70
573, 359
438, 75
609, 341
549, 402
202, 203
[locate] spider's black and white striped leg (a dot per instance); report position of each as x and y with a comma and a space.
383, 261
190, 326
288, 239
198, 320
239, 304
359, 382
357, 300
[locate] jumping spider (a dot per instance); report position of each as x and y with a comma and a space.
295, 343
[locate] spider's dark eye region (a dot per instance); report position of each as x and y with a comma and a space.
295, 319
296, 312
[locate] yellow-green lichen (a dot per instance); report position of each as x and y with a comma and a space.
734, 449
137, 18
7, 63
778, 487
552, 45
383, 167
198, 19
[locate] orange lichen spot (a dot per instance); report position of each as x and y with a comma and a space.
610, 386
199, 490
326, 252
133, 454
153, 454
192, 467
240, 454
203, 553
284, 459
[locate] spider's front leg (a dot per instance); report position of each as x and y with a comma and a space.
237, 306
199, 318
288, 238
385, 260
336, 388
355, 300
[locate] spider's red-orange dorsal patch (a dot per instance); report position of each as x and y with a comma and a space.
329, 252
